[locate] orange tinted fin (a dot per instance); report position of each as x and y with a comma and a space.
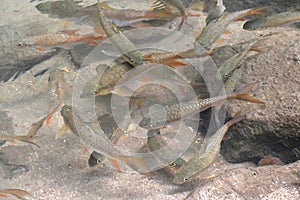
175, 63
17, 193
148, 57
92, 39
220, 41
98, 29
48, 119
84, 150
115, 164
41, 48
243, 94
226, 32
3, 195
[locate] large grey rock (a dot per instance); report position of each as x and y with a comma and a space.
273, 128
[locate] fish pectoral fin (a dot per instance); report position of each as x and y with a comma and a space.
115, 165
39, 48
61, 131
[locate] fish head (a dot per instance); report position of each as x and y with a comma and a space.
21, 45
183, 176
134, 58
66, 111
150, 124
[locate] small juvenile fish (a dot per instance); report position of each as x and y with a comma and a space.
178, 111
176, 5
98, 141
211, 33
206, 155
10, 138
216, 10
272, 21
119, 40
15, 192
61, 39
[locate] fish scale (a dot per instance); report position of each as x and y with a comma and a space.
206, 155
183, 110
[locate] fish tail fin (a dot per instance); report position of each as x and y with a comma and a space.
238, 116
244, 96
48, 119
24, 139
260, 46
254, 11
92, 39
3, 195
115, 165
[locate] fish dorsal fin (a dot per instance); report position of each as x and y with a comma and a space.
156, 4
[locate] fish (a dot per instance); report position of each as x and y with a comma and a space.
62, 39
97, 141
95, 159
169, 58
231, 82
206, 155
70, 10
16, 138
211, 33
175, 5
119, 40
35, 127
233, 62
273, 20
216, 9
155, 141
19, 193
102, 83
175, 112
16, 61
57, 84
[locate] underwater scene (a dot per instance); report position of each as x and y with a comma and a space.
150, 99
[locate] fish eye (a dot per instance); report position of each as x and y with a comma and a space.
152, 125
19, 45
173, 164
185, 179
98, 161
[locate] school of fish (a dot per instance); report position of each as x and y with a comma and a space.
21, 55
